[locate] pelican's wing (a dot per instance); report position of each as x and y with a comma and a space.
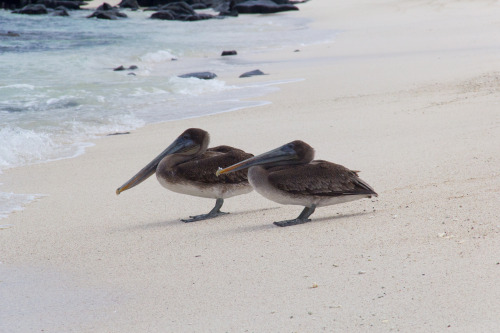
320, 178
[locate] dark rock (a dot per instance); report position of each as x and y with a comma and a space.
132, 74
197, 17
35, 9
163, 15
119, 68
107, 12
10, 34
119, 133
198, 4
132, 67
60, 12
253, 73
73, 5
13, 4
200, 75
132, 4
229, 53
262, 7
179, 11
226, 8
179, 8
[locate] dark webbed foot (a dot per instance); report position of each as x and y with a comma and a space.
302, 218
203, 217
213, 213
288, 223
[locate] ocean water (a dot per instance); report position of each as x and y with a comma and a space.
58, 90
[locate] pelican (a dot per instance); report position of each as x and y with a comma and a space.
288, 175
188, 167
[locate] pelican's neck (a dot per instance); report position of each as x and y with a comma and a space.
173, 160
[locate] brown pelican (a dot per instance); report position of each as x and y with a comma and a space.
188, 167
289, 176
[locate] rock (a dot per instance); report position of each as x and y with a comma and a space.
226, 8
198, 17
60, 11
197, 4
179, 11
119, 133
122, 68
200, 75
34, 9
73, 5
132, 4
253, 73
163, 15
262, 7
10, 34
229, 53
179, 8
107, 12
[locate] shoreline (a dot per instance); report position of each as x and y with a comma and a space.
415, 112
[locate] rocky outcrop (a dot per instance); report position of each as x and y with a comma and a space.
107, 12
262, 7
34, 9
132, 4
73, 5
179, 11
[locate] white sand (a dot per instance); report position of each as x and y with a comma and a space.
408, 94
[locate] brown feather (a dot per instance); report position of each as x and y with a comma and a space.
203, 168
319, 178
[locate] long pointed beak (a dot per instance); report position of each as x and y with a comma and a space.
274, 156
180, 144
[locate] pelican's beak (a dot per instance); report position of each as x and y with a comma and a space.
181, 144
275, 156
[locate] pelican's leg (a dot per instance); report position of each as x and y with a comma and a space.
213, 213
302, 218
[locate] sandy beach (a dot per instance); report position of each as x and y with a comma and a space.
408, 93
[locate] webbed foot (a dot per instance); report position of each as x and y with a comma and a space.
288, 223
302, 218
203, 217
213, 213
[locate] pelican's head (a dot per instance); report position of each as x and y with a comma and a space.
191, 142
295, 152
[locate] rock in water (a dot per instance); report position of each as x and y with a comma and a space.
252, 73
200, 75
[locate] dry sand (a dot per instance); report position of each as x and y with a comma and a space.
408, 93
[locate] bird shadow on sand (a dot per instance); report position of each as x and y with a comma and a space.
232, 217
269, 224
160, 224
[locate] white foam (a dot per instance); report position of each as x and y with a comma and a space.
160, 56
18, 86
193, 86
11, 202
